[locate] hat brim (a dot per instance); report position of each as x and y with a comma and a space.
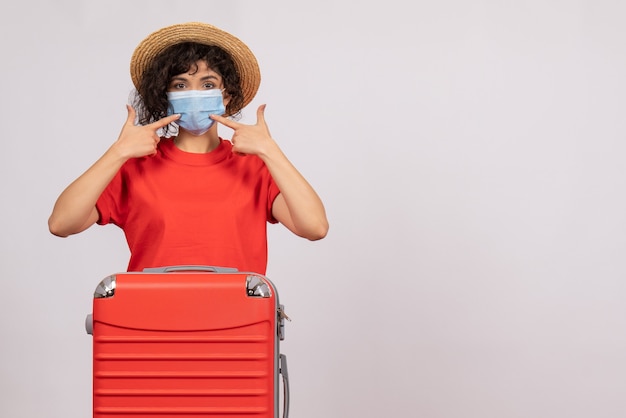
203, 33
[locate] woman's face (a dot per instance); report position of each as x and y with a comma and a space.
199, 77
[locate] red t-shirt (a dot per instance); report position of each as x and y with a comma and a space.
180, 208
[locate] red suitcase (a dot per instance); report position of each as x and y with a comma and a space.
187, 341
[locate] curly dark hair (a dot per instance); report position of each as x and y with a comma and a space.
150, 99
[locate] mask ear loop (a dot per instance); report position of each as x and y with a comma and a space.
172, 129
227, 96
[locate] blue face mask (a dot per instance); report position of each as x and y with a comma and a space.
194, 107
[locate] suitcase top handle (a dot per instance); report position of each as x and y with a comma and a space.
167, 269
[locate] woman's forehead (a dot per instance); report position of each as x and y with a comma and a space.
201, 69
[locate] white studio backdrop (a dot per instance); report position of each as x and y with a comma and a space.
471, 159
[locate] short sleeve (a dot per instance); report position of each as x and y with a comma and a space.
272, 193
107, 204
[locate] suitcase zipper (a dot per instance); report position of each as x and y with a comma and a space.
281, 321
282, 315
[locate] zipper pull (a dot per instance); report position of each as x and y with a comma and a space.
282, 314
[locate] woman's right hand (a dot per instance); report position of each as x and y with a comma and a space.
75, 209
137, 141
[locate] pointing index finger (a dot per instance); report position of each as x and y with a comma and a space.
165, 121
225, 121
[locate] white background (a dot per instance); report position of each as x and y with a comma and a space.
471, 159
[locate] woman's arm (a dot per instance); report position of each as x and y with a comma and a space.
298, 206
75, 209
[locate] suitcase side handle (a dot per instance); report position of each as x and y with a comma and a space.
168, 269
285, 373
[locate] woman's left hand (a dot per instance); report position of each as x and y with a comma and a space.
249, 139
297, 206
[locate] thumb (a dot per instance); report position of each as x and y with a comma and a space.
260, 115
130, 119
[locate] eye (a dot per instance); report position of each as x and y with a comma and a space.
208, 86
178, 86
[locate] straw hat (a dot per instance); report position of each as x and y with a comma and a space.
245, 61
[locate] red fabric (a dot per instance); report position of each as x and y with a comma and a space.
179, 208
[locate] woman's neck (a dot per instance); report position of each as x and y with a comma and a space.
201, 144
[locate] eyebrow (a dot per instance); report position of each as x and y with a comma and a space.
184, 78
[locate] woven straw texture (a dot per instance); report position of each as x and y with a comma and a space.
244, 59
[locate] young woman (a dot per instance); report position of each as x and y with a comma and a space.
182, 194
